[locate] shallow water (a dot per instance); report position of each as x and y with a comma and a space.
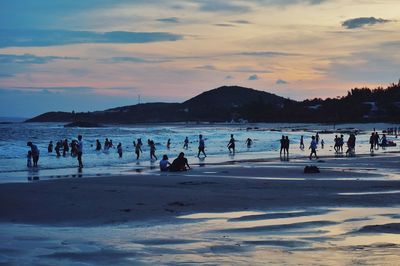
13, 149
306, 236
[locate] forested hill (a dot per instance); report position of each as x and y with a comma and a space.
233, 103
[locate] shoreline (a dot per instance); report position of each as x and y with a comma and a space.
242, 186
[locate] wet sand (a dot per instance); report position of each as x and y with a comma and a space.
247, 212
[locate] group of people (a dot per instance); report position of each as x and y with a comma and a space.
76, 151
181, 163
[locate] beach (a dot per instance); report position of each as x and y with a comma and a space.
244, 212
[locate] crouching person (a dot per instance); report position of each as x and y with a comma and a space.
179, 164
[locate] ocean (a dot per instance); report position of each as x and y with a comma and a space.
14, 136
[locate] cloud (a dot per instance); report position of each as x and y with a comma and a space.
268, 54
39, 38
253, 77
129, 59
292, 2
363, 21
224, 25
169, 20
31, 59
281, 82
240, 21
6, 75
246, 69
221, 6
207, 67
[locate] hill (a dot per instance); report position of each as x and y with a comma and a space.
229, 103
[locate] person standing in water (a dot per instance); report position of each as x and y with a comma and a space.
138, 149
169, 144
186, 143
152, 150
80, 150
231, 145
249, 142
313, 148
301, 142
322, 143
50, 147
286, 146
282, 141
119, 150
202, 146
57, 148
35, 153
98, 145
29, 159
65, 147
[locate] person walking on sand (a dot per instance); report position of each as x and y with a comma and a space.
317, 138
186, 143
119, 150
313, 148
79, 147
322, 143
202, 146
35, 153
301, 143
231, 145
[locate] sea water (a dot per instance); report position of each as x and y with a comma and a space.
13, 149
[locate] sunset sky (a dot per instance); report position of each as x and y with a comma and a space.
96, 54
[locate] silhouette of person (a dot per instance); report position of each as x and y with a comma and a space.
152, 150
286, 147
138, 150
98, 145
313, 147
282, 141
35, 153
169, 144
231, 145
79, 147
186, 143
179, 164
119, 149
301, 142
202, 146
249, 142
50, 147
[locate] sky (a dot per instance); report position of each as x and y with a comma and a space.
63, 55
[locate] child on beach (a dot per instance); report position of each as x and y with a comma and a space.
29, 159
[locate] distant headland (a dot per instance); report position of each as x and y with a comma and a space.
240, 104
